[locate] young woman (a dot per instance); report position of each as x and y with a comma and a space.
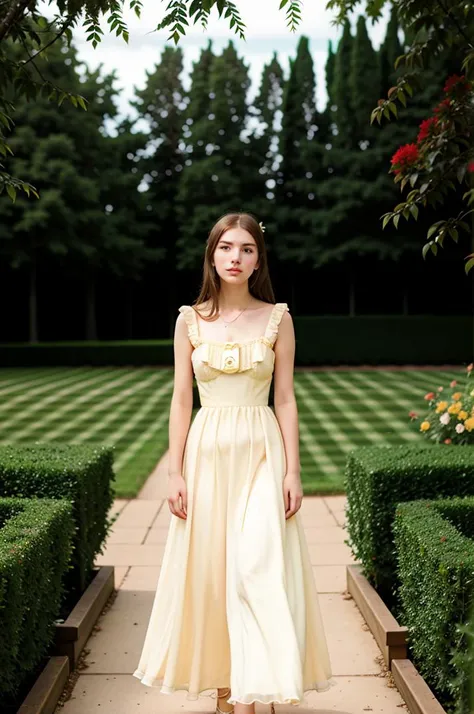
236, 608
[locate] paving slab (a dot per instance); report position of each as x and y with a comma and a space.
124, 694
330, 554
352, 647
330, 578
126, 536
141, 577
131, 555
138, 514
327, 534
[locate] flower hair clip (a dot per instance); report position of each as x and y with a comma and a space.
262, 227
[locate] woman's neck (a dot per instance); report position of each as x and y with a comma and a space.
234, 297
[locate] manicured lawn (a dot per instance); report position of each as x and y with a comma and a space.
120, 406
340, 410
128, 408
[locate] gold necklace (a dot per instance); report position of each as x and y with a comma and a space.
235, 318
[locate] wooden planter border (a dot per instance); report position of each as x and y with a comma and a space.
72, 634
48, 688
392, 641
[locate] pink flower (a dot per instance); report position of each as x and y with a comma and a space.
453, 383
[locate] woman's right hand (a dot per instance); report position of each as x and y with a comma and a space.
178, 496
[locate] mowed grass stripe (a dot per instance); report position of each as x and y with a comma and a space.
381, 416
54, 389
31, 379
71, 405
106, 405
140, 415
349, 412
154, 427
418, 384
52, 386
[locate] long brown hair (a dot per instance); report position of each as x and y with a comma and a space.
260, 285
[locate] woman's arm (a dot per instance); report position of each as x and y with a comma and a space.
180, 415
286, 412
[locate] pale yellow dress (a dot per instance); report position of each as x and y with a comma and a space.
236, 604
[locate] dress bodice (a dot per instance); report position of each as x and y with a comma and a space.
234, 373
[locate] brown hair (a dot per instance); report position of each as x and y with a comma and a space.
260, 285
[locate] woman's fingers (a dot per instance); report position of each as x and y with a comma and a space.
176, 508
292, 503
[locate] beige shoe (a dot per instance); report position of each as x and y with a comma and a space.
223, 697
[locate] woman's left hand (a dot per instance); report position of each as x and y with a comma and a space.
292, 494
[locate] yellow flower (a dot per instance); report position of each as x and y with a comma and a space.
456, 396
454, 408
469, 424
425, 425
462, 414
441, 407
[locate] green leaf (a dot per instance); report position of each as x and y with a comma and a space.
11, 190
454, 234
396, 220
469, 265
414, 211
386, 220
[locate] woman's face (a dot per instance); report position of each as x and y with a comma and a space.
235, 249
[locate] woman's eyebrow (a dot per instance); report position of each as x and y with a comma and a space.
227, 242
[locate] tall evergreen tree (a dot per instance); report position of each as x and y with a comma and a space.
67, 154
341, 93
301, 146
215, 174
162, 104
364, 85
262, 162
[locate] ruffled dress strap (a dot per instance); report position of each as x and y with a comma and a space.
192, 323
271, 333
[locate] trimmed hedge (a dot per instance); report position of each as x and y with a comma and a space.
435, 568
35, 548
320, 339
377, 478
81, 473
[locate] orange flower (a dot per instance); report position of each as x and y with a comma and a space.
429, 396
447, 441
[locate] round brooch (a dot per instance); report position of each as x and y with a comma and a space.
230, 359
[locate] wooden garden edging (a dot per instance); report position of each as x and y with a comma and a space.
72, 634
46, 691
392, 641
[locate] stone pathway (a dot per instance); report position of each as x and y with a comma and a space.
135, 547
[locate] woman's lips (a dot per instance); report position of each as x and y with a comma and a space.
234, 270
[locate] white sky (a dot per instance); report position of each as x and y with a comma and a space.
265, 32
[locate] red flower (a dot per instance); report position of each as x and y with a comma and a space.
405, 157
457, 82
412, 415
429, 396
445, 104
426, 127
470, 167
447, 441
